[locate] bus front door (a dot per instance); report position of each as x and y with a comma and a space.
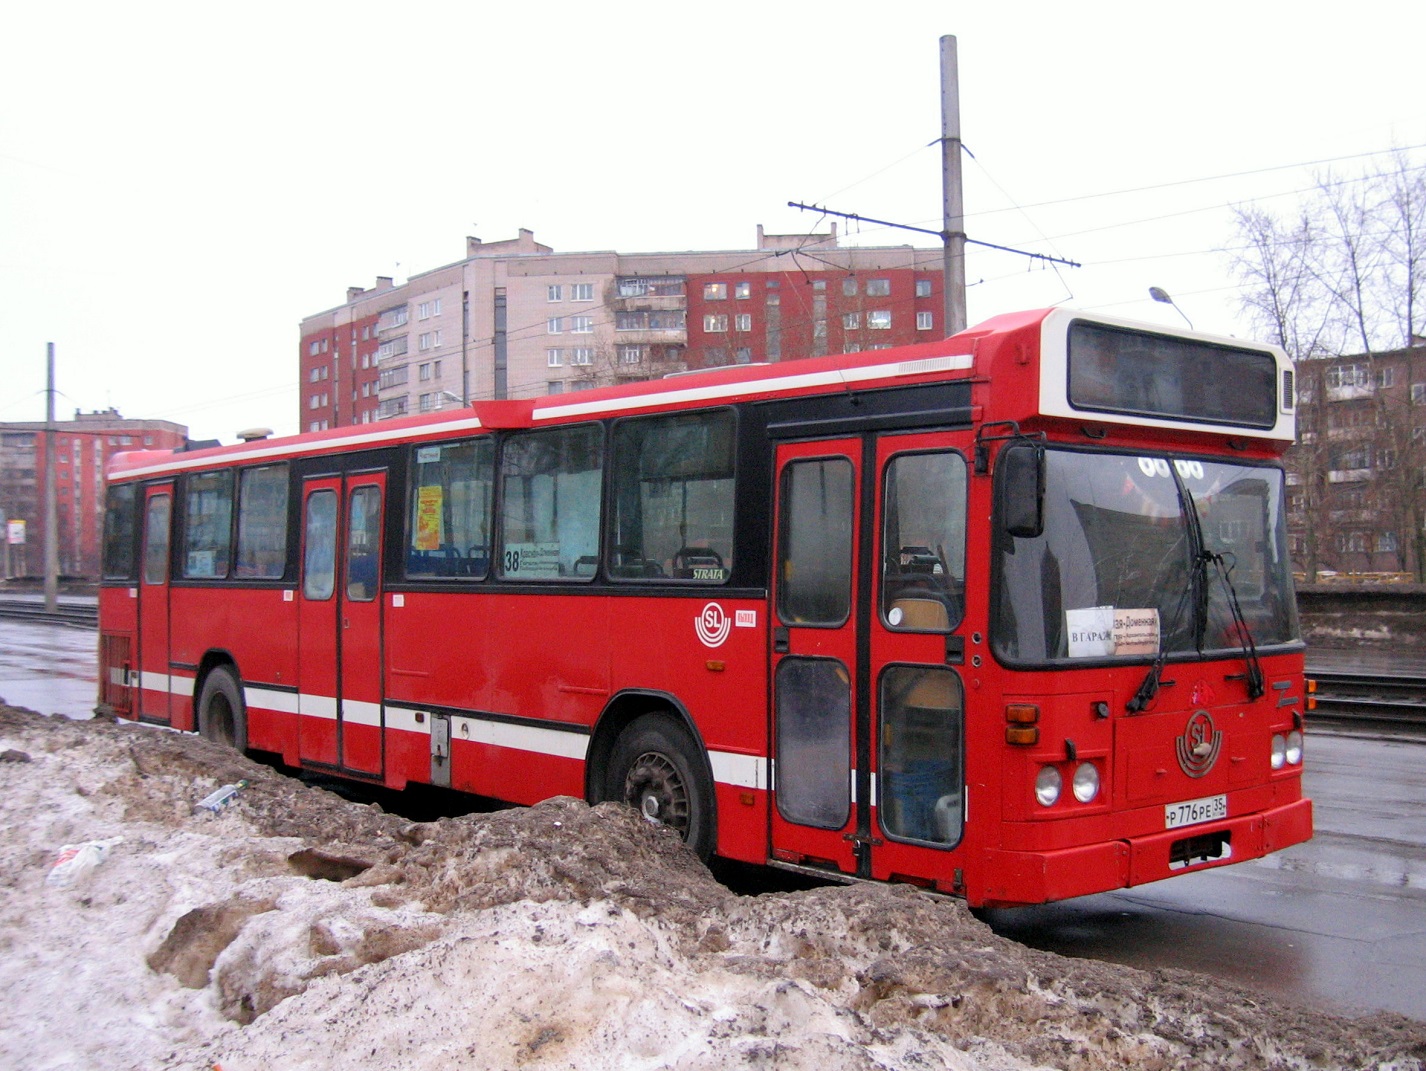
821, 769
340, 710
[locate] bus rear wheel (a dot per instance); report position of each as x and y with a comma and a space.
655, 769
221, 716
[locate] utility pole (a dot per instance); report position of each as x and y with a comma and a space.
51, 492
953, 278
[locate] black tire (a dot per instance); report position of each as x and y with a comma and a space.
656, 768
222, 718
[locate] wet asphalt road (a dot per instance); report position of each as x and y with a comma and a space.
1338, 923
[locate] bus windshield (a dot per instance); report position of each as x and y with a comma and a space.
1142, 556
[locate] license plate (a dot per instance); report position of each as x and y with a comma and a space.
1192, 812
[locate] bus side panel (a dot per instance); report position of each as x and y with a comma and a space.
257, 627
711, 655
118, 646
533, 656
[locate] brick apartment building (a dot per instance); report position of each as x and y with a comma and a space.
1356, 492
82, 449
516, 319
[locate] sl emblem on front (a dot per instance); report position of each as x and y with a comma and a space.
1198, 746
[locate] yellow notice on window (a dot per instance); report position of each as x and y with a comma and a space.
428, 517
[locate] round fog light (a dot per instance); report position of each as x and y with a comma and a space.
1279, 751
1086, 782
1294, 747
1047, 786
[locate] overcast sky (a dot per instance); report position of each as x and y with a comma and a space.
181, 183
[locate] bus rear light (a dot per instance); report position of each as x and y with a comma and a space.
1311, 694
1023, 736
1286, 749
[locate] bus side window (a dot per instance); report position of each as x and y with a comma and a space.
448, 534
672, 498
550, 482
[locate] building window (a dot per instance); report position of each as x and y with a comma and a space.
1386, 377
851, 321
925, 321
715, 322
424, 373
819, 284
631, 354
423, 311
743, 355
554, 386
774, 298
923, 287
314, 349
554, 293
554, 325
715, 291
423, 341
849, 286
583, 355
743, 321
878, 287
1418, 394
316, 375
315, 402
742, 291
879, 320
581, 292
554, 358
581, 325
1386, 543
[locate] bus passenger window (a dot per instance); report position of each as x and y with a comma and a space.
207, 525
120, 520
448, 534
673, 498
551, 483
919, 762
923, 542
814, 725
319, 560
262, 523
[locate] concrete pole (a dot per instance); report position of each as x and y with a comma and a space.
51, 493
953, 203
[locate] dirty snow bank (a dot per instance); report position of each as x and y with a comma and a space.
297, 930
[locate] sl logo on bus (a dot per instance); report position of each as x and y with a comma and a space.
1198, 746
713, 625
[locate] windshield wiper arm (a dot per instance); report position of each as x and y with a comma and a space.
1256, 684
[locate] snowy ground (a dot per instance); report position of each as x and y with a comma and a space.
297, 930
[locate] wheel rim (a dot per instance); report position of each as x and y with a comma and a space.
656, 789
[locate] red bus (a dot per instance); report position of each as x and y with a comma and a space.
1008, 615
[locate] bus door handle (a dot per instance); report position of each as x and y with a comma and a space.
780, 642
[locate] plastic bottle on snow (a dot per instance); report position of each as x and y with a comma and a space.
219, 798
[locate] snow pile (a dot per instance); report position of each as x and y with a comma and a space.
298, 930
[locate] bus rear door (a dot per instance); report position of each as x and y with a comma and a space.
340, 642
153, 661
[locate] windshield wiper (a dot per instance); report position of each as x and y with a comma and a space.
1149, 687
1256, 685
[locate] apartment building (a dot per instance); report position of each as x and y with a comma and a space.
82, 448
517, 319
1357, 476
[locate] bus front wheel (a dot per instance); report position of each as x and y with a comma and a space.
221, 717
655, 770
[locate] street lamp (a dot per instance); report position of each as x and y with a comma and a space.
1159, 294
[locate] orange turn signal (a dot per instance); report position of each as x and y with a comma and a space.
1022, 713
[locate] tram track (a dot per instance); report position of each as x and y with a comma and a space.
69, 614
1374, 701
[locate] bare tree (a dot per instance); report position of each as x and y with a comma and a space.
1344, 277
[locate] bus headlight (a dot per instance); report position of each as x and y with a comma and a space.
1279, 751
1085, 782
1294, 747
1047, 786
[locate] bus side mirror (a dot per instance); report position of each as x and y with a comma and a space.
1021, 471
